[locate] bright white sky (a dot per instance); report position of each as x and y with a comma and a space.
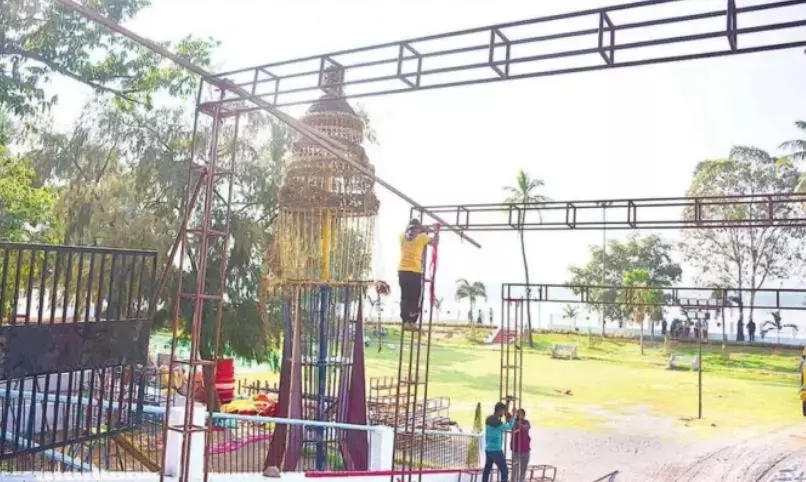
633, 132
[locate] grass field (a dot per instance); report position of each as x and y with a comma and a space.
753, 388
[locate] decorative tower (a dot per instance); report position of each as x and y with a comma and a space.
317, 279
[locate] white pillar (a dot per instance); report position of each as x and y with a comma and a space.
173, 443
381, 448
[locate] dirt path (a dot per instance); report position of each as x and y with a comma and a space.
777, 456
647, 448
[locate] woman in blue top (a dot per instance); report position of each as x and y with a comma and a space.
494, 442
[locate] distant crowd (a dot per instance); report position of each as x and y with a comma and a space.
683, 329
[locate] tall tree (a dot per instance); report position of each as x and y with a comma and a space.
744, 257
638, 298
650, 253
120, 178
524, 192
41, 39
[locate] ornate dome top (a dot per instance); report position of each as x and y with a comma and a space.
315, 179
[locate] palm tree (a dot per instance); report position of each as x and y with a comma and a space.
471, 292
776, 325
797, 151
797, 147
637, 299
438, 305
570, 312
525, 192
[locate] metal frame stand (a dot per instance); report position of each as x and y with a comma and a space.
214, 187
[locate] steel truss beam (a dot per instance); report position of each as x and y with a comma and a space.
737, 211
680, 297
596, 39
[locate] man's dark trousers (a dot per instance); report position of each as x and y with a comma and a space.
499, 460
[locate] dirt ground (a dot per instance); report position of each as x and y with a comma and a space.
647, 448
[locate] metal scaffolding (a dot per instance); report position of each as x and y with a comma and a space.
737, 211
203, 239
783, 299
596, 39
486, 54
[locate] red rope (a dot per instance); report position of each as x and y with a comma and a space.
433, 268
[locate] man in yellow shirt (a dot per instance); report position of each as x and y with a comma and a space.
410, 270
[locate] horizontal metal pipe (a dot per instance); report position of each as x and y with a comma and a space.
382, 473
51, 454
785, 197
75, 249
84, 401
159, 410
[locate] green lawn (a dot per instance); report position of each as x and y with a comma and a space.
752, 388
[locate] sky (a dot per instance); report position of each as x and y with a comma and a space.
634, 132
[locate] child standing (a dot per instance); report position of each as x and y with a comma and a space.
521, 446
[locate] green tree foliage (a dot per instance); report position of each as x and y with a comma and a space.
797, 147
26, 216
120, 179
637, 297
744, 257
525, 191
650, 253
26, 211
41, 39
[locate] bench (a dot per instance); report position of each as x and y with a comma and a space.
547, 473
564, 351
683, 362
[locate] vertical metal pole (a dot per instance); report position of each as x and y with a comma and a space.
604, 258
324, 329
699, 373
423, 441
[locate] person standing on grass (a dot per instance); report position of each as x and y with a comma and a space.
494, 429
410, 271
521, 446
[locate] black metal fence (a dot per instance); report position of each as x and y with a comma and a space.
74, 336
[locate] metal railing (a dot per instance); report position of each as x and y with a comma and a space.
74, 328
440, 449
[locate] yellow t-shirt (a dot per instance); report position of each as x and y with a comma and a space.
411, 253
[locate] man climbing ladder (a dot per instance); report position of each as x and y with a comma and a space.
410, 270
